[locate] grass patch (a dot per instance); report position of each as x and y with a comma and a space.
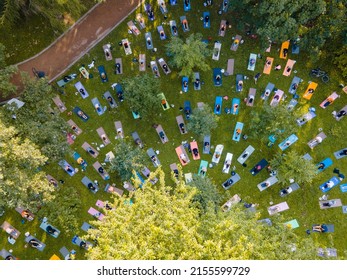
303, 203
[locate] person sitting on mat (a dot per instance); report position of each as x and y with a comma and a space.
320, 228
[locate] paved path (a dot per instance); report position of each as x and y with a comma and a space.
78, 40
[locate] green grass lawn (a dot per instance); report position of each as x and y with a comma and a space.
303, 203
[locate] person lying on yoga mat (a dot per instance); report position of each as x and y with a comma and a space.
81, 114
101, 170
294, 86
320, 228
203, 170
195, 152
218, 78
51, 230
183, 158
311, 90
328, 185
53, 182
285, 52
109, 99
265, 184
329, 203
68, 169
285, 191
34, 243
238, 132
217, 108
343, 153
90, 150
321, 166
154, 159
91, 187
103, 137
117, 67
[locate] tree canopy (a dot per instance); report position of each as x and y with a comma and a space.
188, 55
21, 184
202, 121
163, 223
293, 166
141, 93
12, 11
37, 121
127, 159
272, 121
6, 72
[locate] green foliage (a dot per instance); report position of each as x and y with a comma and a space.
272, 121
164, 224
207, 194
63, 211
189, 55
293, 166
6, 72
340, 60
202, 121
54, 11
20, 182
127, 159
141, 94
37, 121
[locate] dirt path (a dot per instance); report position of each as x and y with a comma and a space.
78, 40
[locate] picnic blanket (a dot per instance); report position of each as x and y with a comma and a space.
269, 88
236, 43
100, 110
182, 155
311, 88
89, 184
88, 148
161, 134
67, 167
41, 247
227, 163
289, 67
329, 100
207, 144
104, 175
216, 50
101, 132
341, 153
81, 114
328, 185
268, 65
231, 181
152, 155
305, 118
237, 131
278, 208
60, 104
51, 230
251, 97
203, 168
245, 154
218, 105
267, 183
276, 98
217, 153
288, 142
251, 61
259, 167
284, 50
331, 203
317, 140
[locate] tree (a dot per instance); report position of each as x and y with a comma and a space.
6, 72
340, 60
272, 121
207, 193
142, 94
162, 223
189, 55
202, 121
64, 210
293, 166
37, 121
21, 184
15, 10
127, 159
